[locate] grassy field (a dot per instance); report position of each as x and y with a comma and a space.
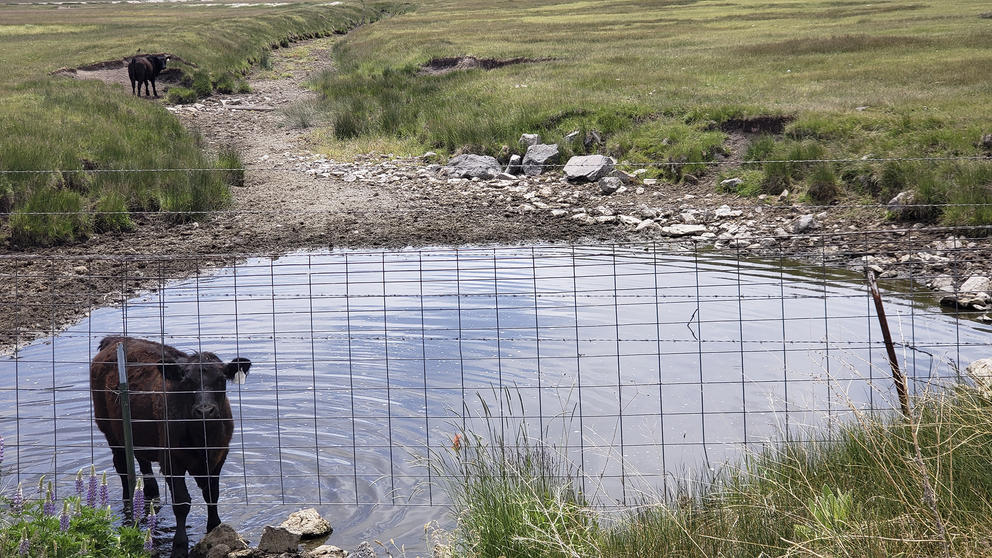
667, 81
49, 122
882, 488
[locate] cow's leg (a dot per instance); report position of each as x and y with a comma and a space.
210, 486
120, 465
151, 485
132, 87
175, 477
153, 87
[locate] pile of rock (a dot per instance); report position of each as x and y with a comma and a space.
276, 542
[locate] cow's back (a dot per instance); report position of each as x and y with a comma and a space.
146, 385
139, 68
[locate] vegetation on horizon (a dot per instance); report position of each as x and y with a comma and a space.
879, 486
674, 82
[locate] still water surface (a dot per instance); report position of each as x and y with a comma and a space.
645, 367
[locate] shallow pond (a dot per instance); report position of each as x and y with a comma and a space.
646, 367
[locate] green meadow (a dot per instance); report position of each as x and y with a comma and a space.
85, 128
669, 81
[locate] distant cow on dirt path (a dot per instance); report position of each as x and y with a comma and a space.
180, 418
144, 68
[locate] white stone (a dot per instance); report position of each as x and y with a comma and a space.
683, 230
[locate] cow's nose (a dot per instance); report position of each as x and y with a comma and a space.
205, 410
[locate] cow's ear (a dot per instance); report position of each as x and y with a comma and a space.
173, 371
237, 370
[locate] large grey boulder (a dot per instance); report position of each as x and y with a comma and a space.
538, 157
473, 166
326, 551
307, 523
527, 140
588, 168
276, 540
804, 224
222, 540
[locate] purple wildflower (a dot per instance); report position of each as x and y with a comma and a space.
148, 541
1, 448
152, 521
64, 518
138, 501
79, 483
104, 493
17, 502
49, 504
91, 492
25, 546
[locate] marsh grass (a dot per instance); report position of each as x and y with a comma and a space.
877, 486
301, 115
849, 81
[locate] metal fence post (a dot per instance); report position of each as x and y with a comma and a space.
126, 418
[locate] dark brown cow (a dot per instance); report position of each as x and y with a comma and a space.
180, 418
145, 68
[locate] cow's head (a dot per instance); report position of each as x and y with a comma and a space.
159, 62
202, 380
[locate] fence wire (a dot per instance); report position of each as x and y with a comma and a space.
647, 365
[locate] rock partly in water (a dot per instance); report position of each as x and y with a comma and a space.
326, 551
973, 294
538, 157
364, 550
473, 166
308, 524
588, 168
276, 540
223, 538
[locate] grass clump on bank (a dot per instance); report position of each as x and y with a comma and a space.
879, 487
809, 79
88, 130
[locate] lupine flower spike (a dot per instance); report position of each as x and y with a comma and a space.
1, 449
41, 485
138, 501
104, 493
49, 507
64, 518
79, 483
152, 520
17, 502
91, 491
148, 541
25, 546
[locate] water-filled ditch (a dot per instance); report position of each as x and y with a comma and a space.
647, 367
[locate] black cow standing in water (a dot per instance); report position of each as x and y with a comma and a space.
145, 68
180, 418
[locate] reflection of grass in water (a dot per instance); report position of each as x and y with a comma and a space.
879, 487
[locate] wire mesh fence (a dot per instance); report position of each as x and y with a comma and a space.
648, 365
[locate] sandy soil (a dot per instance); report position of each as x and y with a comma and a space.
295, 199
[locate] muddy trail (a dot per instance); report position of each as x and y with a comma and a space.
293, 198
